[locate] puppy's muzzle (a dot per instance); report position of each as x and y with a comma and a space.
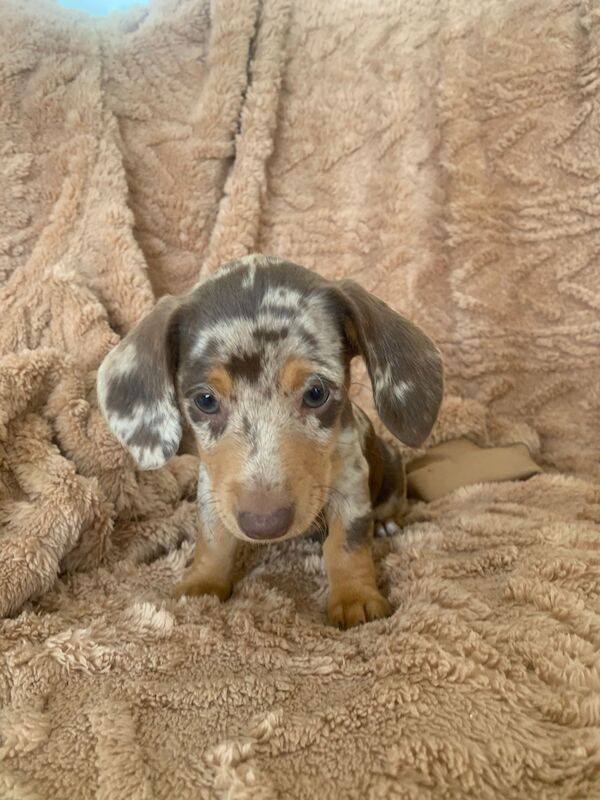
263, 516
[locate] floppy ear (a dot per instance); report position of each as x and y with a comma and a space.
404, 365
136, 389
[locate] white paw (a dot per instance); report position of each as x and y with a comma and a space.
387, 528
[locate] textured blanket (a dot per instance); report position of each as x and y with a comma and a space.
444, 154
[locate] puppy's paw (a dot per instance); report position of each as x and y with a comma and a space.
352, 605
195, 585
389, 527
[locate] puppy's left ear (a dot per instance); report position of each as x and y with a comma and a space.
404, 365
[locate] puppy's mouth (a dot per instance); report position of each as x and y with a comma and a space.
267, 539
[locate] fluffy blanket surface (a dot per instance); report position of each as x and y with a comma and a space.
444, 153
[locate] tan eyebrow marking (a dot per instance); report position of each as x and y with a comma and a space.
294, 373
220, 379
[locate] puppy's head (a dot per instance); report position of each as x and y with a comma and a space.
257, 360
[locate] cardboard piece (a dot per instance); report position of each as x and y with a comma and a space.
460, 462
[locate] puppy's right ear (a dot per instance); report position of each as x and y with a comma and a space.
136, 387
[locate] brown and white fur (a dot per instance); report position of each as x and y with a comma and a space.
241, 360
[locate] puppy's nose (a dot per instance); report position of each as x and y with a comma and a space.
265, 518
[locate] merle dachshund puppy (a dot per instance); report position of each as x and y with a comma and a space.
256, 361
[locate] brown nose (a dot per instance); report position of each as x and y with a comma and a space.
261, 517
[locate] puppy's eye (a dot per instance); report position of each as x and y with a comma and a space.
315, 395
207, 402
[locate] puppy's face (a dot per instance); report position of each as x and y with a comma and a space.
262, 381
257, 361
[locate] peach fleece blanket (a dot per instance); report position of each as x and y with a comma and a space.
443, 153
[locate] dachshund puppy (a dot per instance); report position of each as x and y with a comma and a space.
256, 361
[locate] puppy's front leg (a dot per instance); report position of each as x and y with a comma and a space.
353, 594
212, 568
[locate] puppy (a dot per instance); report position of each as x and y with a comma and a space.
256, 360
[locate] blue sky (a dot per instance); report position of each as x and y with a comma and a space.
100, 8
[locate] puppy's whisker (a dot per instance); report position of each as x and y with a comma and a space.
335, 497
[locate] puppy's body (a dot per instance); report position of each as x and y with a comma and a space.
256, 360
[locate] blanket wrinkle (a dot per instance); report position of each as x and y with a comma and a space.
443, 155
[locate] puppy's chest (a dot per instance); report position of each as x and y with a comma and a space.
368, 473
384, 463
